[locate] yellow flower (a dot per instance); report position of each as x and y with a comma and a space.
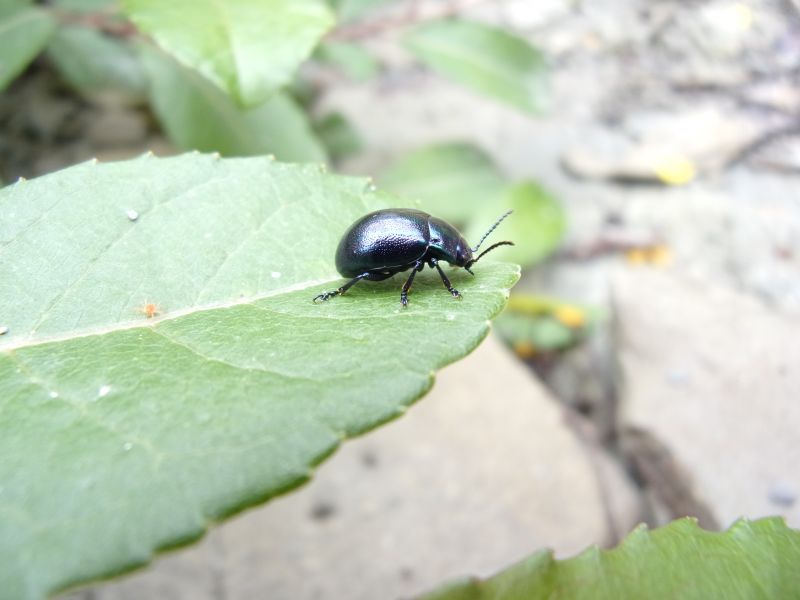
676, 170
570, 316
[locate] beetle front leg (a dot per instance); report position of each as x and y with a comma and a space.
407, 285
328, 295
435, 263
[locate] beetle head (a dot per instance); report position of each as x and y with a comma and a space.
469, 261
463, 254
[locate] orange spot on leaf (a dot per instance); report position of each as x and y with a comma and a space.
149, 310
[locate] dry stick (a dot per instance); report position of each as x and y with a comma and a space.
762, 142
105, 20
412, 16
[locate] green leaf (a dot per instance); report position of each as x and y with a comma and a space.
351, 59
91, 61
249, 48
753, 559
339, 136
536, 226
452, 180
487, 59
122, 435
529, 334
24, 32
531, 324
198, 116
349, 10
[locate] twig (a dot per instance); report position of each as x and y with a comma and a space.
762, 142
609, 244
412, 16
106, 20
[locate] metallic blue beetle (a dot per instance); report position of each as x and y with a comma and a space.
389, 241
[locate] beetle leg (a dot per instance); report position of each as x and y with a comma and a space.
407, 285
328, 295
435, 264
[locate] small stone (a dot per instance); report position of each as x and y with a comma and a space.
782, 493
322, 511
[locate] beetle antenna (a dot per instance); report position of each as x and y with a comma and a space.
489, 249
491, 229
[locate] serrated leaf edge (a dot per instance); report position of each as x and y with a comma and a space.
315, 464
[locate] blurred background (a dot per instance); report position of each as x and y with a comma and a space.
647, 366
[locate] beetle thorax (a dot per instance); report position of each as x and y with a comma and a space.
447, 244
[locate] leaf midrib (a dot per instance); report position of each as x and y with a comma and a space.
173, 314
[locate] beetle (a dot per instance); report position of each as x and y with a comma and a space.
389, 241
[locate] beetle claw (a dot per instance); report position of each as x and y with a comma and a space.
325, 296
457, 295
